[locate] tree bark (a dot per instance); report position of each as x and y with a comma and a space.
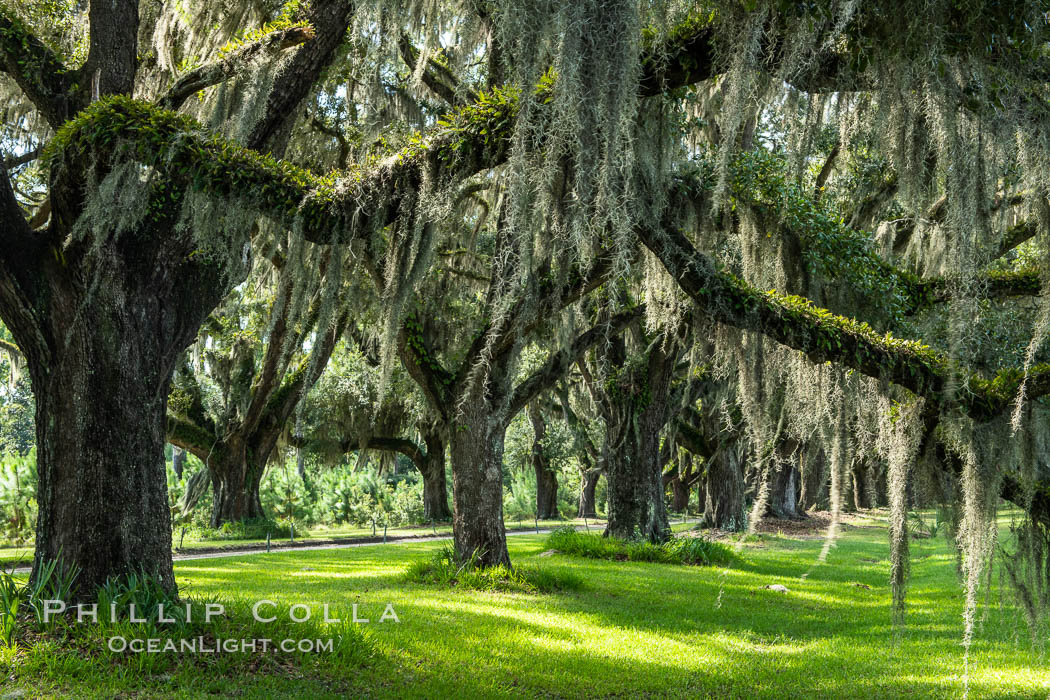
783, 492
636, 493
546, 478
681, 482
814, 477
435, 489
235, 483
178, 460
635, 404
679, 495
635, 409
477, 481
724, 491
101, 344
589, 481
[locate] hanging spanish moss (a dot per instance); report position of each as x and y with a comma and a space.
898, 442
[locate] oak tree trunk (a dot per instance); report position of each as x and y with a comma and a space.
235, 486
814, 478
589, 481
724, 491
546, 479
783, 492
101, 342
636, 494
476, 445
679, 495
435, 489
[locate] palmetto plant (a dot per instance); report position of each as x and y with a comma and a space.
10, 600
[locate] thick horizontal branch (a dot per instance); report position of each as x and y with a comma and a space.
228, 66
385, 444
190, 437
694, 439
824, 337
990, 285
336, 208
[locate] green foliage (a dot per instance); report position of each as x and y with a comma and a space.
11, 595
18, 483
361, 498
254, 529
444, 569
208, 163
519, 500
680, 550
759, 179
146, 594
287, 19
54, 581
931, 527
58, 649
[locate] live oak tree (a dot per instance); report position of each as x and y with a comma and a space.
356, 408
256, 358
104, 295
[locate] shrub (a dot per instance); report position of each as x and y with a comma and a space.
680, 550
443, 568
255, 529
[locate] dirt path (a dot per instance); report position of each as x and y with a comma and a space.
217, 552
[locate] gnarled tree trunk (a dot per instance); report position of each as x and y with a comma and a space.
235, 487
635, 409
724, 491
814, 478
636, 493
784, 482
679, 495
101, 341
589, 481
435, 489
476, 445
546, 479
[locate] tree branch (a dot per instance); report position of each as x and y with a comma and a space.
27, 157
436, 76
559, 363
36, 69
423, 366
189, 436
824, 337
228, 66
330, 20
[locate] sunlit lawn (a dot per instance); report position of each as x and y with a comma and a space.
636, 629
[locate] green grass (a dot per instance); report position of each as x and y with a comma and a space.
634, 629
679, 550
